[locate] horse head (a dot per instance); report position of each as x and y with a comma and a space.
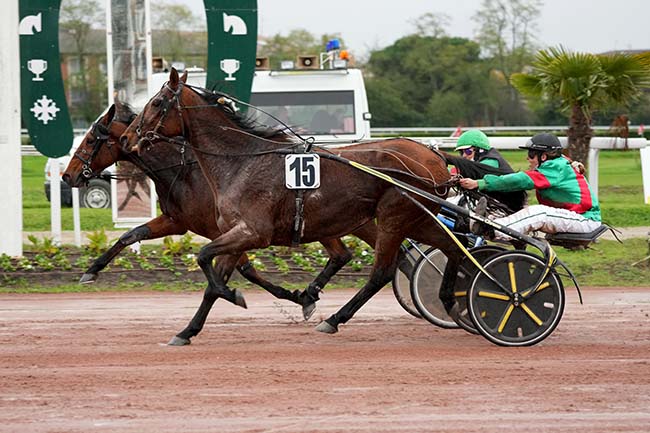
170, 115
162, 119
100, 147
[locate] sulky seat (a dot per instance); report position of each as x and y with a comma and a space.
575, 241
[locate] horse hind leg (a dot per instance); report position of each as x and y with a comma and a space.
248, 271
382, 273
339, 257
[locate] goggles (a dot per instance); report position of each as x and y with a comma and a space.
533, 153
467, 151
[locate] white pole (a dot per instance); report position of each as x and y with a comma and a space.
55, 200
11, 217
645, 172
149, 45
76, 220
109, 52
592, 162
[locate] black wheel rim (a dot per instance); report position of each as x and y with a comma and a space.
525, 317
466, 273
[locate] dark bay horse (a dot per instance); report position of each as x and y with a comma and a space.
186, 203
254, 209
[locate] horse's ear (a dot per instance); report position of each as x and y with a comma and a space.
184, 77
173, 78
111, 112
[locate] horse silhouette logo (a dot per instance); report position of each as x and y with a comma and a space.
30, 24
234, 23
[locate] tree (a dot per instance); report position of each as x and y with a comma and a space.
431, 24
421, 75
505, 33
176, 20
298, 42
77, 17
584, 83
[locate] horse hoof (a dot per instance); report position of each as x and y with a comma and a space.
239, 299
88, 278
308, 310
326, 328
178, 341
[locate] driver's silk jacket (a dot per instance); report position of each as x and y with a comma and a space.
556, 184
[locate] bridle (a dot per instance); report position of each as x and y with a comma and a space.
100, 135
154, 135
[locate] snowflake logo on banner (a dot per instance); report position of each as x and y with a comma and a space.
45, 109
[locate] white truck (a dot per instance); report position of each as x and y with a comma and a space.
327, 104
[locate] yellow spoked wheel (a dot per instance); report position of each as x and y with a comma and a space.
466, 273
524, 314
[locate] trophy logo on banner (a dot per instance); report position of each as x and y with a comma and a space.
230, 66
37, 67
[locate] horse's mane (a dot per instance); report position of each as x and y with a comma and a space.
124, 113
244, 122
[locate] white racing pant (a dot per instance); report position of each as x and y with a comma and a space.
545, 219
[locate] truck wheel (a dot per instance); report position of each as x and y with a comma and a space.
97, 195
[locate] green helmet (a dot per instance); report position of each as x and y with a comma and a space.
473, 138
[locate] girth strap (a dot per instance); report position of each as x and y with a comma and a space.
299, 218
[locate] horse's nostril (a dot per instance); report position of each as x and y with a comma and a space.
67, 178
124, 140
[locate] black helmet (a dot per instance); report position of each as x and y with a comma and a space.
544, 142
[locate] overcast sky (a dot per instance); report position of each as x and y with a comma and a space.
370, 24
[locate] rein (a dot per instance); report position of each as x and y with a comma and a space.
154, 135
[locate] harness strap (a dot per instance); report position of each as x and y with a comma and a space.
299, 218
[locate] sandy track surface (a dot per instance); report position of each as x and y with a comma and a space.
96, 363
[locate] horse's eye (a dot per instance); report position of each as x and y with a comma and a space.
156, 102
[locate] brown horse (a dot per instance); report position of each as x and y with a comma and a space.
186, 204
254, 209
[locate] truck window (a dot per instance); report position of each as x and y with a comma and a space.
317, 113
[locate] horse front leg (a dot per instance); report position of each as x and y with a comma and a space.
156, 228
339, 257
382, 273
229, 247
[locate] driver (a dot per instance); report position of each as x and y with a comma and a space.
567, 203
474, 145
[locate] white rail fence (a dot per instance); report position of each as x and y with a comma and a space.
498, 142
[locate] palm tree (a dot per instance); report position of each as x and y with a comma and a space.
584, 83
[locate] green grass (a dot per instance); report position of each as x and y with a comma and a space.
609, 263
36, 208
620, 193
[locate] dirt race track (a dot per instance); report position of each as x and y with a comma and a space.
95, 363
